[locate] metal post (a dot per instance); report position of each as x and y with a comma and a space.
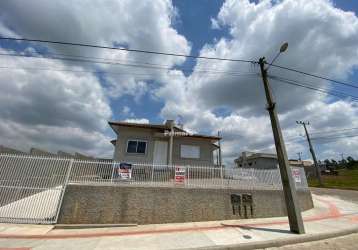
293, 209
188, 173
220, 163
318, 172
171, 143
152, 173
113, 167
64, 188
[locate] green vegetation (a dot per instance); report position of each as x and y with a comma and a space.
346, 179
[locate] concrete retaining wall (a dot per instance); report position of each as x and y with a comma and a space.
151, 205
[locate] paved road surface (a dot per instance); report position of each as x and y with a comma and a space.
348, 195
348, 242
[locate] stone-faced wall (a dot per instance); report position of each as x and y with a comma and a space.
151, 205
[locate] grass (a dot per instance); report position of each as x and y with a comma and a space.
346, 179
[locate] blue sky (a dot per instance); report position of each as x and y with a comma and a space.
194, 22
322, 39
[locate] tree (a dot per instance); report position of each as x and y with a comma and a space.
351, 162
327, 162
350, 159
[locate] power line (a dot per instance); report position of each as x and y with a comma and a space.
333, 131
336, 137
174, 54
308, 85
149, 66
316, 76
326, 91
116, 73
125, 49
64, 56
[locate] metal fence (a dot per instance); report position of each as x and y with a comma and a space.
32, 187
146, 174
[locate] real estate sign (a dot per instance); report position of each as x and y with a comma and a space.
296, 173
124, 171
180, 173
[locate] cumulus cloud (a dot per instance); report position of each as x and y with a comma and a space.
55, 110
322, 39
143, 25
137, 120
68, 109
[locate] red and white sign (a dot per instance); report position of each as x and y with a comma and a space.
296, 173
180, 175
125, 171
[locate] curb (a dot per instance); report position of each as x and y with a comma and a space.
281, 242
86, 226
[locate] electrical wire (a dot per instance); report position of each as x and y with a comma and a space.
314, 75
332, 131
124, 49
175, 54
116, 73
335, 137
150, 66
326, 91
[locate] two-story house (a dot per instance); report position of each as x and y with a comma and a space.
162, 144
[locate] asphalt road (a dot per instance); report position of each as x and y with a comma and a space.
348, 195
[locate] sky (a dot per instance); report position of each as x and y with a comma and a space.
64, 105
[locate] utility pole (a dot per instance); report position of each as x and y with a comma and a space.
289, 189
318, 172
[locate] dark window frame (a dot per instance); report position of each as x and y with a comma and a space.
137, 141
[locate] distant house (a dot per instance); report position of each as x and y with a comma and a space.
7, 150
266, 161
162, 144
257, 160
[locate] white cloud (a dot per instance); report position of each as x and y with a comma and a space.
143, 25
54, 110
322, 39
63, 110
137, 120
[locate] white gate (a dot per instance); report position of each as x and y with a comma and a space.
32, 188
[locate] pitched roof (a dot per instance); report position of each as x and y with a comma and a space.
159, 127
138, 125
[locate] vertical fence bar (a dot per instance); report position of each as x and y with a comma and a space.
112, 172
64, 185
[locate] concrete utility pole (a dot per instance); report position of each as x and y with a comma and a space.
289, 190
318, 172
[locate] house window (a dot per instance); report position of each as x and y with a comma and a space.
136, 146
189, 151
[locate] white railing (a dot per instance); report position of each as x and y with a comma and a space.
32, 187
144, 174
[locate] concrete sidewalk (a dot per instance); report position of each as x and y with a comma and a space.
331, 217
